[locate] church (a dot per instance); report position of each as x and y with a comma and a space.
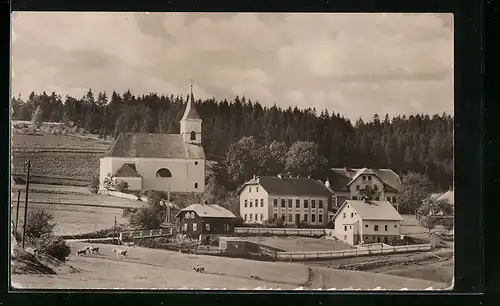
160, 162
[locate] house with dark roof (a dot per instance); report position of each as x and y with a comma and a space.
291, 199
348, 183
162, 162
357, 222
206, 222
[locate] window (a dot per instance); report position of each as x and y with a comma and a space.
352, 215
369, 177
345, 237
195, 163
261, 217
347, 206
251, 203
246, 203
283, 203
297, 218
163, 172
364, 178
249, 189
350, 226
320, 203
195, 185
395, 225
207, 227
195, 227
388, 199
256, 189
283, 218
305, 218
366, 225
193, 135
256, 217
313, 218
185, 227
320, 218
275, 216
297, 203
188, 215
290, 203
290, 218
375, 227
344, 215
251, 216
275, 202
355, 198
245, 217
345, 228
313, 203
306, 203
227, 228
261, 202
192, 215
357, 187
393, 199
385, 228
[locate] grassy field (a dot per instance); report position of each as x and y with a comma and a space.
72, 220
58, 156
438, 272
58, 141
159, 269
76, 213
301, 244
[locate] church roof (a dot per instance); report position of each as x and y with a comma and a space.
127, 170
191, 112
154, 145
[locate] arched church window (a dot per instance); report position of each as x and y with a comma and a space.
193, 135
195, 185
163, 172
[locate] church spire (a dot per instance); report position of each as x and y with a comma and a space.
190, 112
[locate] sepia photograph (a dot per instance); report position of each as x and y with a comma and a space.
232, 151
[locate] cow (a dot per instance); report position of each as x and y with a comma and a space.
81, 252
120, 252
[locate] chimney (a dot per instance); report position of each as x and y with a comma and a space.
254, 176
280, 176
327, 183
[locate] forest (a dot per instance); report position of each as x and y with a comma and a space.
237, 132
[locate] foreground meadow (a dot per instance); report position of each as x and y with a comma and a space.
159, 269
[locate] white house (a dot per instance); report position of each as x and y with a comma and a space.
348, 182
291, 199
359, 222
162, 162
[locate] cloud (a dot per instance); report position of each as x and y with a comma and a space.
354, 63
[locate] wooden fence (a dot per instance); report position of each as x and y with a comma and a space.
282, 231
146, 234
351, 253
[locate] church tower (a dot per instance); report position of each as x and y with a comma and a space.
191, 122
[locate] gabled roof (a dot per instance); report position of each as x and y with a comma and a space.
191, 112
289, 186
448, 196
154, 145
127, 170
208, 211
373, 210
341, 178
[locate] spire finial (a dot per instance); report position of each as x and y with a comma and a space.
191, 82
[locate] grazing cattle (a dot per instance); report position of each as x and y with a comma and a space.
81, 252
198, 269
120, 252
94, 249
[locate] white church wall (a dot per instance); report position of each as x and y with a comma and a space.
185, 173
188, 126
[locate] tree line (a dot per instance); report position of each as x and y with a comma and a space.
418, 143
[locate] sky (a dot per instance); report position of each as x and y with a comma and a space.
352, 64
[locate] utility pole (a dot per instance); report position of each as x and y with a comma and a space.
17, 208
26, 201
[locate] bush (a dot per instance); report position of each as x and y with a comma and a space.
128, 211
121, 186
94, 185
39, 224
109, 182
52, 246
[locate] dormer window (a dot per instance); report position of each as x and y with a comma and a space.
193, 135
369, 177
